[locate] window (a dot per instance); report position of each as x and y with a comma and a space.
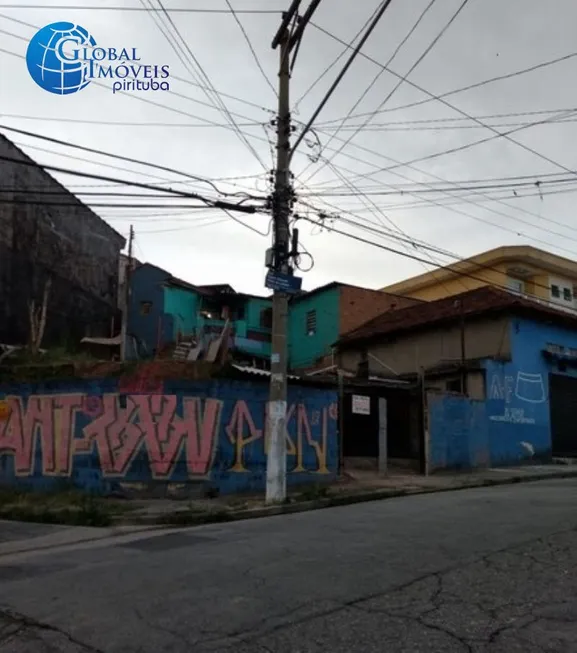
266, 318
516, 285
555, 291
311, 323
567, 295
454, 385
145, 308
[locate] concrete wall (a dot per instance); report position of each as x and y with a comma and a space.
405, 354
103, 437
71, 244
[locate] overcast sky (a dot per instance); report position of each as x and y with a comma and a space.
488, 38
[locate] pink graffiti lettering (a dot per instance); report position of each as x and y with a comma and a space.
45, 418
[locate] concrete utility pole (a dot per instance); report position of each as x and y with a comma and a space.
281, 206
126, 297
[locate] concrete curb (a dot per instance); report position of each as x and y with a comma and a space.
5, 549
221, 516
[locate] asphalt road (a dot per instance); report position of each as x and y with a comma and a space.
486, 570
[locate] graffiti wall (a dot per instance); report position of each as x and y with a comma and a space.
103, 436
518, 392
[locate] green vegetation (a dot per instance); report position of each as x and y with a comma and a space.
66, 506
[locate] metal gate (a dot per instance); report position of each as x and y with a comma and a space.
563, 407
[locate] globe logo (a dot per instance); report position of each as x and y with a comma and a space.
52, 70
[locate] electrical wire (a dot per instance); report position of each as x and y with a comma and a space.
171, 10
118, 157
380, 215
488, 139
120, 123
356, 51
209, 83
356, 176
460, 111
332, 65
432, 97
413, 257
379, 75
170, 191
251, 47
488, 222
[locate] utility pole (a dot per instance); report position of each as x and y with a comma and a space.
126, 297
281, 207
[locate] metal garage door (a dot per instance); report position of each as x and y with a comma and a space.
563, 406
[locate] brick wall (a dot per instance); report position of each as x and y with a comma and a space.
358, 305
45, 231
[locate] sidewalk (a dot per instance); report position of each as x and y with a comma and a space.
354, 487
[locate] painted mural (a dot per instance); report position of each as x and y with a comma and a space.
212, 432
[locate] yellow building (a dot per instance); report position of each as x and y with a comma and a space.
520, 268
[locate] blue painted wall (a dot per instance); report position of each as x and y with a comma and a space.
146, 285
304, 350
104, 435
513, 424
458, 432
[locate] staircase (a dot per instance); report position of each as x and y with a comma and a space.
183, 350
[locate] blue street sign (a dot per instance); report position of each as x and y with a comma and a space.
283, 282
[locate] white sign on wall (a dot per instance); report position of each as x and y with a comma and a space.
361, 405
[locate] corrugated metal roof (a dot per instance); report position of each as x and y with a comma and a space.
254, 370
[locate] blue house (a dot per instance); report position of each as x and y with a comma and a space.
500, 371
164, 311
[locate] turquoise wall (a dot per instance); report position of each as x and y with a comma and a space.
254, 307
183, 305
305, 349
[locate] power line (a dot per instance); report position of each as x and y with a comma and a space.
357, 175
250, 46
208, 81
500, 226
119, 123
414, 257
170, 10
333, 64
355, 53
229, 114
429, 121
153, 102
441, 179
488, 139
323, 186
452, 106
432, 97
375, 210
168, 191
118, 157
379, 75
171, 91
446, 189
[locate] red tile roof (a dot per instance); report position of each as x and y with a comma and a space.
471, 303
